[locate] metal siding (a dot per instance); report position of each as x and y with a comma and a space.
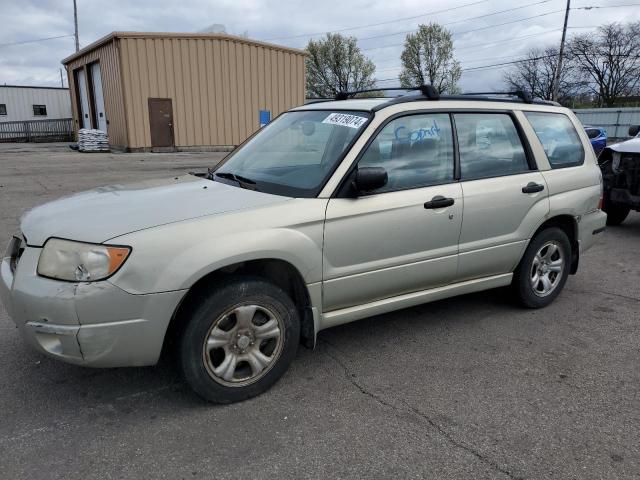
616, 121
217, 86
20, 101
107, 55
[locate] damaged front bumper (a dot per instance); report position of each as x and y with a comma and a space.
94, 324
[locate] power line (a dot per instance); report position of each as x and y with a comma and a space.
474, 48
460, 21
380, 23
33, 41
606, 6
475, 29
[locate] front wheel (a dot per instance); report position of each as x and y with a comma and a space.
239, 340
544, 268
616, 214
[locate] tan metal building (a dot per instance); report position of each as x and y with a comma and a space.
181, 90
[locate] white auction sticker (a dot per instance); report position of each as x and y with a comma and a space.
345, 120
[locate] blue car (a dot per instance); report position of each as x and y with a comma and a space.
598, 137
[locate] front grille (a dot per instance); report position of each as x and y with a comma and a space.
630, 166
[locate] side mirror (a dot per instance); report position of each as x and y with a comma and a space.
368, 179
633, 130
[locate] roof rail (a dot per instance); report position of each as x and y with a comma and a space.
521, 94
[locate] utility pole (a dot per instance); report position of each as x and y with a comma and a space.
61, 79
75, 23
556, 77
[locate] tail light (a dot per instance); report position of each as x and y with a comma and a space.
601, 201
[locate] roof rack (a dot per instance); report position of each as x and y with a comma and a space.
431, 93
426, 90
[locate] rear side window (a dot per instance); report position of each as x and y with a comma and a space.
559, 138
416, 151
489, 146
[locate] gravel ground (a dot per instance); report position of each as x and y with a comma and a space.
471, 387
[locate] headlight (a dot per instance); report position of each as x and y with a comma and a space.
80, 262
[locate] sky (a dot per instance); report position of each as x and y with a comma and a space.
485, 32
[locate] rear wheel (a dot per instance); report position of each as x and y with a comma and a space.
239, 340
543, 269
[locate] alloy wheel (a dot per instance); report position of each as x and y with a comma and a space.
547, 268
242, 345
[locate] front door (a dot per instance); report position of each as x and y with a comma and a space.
396, 240
505, 198
161, 122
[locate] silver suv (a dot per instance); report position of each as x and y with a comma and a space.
333, 212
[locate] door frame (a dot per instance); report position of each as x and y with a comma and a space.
341, 191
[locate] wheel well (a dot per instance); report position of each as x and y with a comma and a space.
569, 226
279, 272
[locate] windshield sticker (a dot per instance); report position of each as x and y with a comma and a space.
345, 120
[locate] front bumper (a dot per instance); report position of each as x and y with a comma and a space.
92, 324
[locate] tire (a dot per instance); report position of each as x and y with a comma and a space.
616, 214
531, 292
233, 322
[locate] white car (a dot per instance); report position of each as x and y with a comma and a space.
620, 165
333, 212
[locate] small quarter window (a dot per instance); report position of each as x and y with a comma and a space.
416, 151
40, 110
489, 146
559, 138
3, 108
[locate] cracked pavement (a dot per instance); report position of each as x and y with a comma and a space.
470, 387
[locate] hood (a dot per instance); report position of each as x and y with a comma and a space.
630, 146
107, 212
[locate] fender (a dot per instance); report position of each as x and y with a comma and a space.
175, 256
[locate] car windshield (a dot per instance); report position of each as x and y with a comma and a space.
295, 154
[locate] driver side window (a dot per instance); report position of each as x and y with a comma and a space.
416, 151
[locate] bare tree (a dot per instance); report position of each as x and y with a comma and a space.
536, 74
609, 61
427, 58
336, 64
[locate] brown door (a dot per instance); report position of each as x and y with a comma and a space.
161, 122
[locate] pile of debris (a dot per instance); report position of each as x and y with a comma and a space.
90, 140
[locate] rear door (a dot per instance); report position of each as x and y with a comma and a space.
397, 239
505, 197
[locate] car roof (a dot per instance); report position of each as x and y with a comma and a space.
418, 101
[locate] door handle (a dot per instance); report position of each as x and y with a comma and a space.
439, 202
532, 187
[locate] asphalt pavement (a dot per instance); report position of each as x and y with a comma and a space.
467, 388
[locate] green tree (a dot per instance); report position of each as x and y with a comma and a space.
336, 64
427, 58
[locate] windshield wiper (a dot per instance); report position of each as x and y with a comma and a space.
244, 182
